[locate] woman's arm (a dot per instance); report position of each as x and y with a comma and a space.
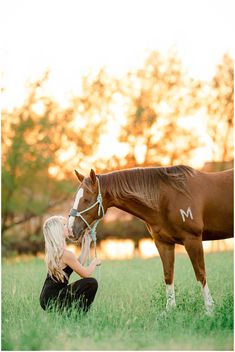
70, 259
87, 242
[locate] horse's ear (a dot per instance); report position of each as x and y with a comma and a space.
93, 177
79, 176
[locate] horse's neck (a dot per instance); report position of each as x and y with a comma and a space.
131, 206
136, 210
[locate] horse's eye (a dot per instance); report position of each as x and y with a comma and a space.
86, 200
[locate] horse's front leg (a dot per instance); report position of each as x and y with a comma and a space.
194, 248
167, 255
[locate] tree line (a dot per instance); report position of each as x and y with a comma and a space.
146, 106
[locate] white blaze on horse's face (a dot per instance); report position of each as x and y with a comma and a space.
79, 195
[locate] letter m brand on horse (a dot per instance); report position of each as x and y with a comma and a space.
187, 214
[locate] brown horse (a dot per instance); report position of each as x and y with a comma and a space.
178, 204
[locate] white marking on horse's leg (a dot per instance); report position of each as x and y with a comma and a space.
79, 195
209, 303
170, 296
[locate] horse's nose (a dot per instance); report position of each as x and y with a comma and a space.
71, 234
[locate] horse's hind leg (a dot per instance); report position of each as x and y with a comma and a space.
193, 246
167, 254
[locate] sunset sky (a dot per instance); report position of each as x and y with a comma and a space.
73, 37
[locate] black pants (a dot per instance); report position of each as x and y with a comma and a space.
79, 294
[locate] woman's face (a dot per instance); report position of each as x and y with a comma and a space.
64, 223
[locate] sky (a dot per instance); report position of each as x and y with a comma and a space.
74, 37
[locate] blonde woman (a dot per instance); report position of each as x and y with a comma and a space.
60, 264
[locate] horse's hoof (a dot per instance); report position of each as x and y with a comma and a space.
209, 310
170, 307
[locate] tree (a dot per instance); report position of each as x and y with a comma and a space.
220, 109
132, 228
33, 138
159, 94
95, 105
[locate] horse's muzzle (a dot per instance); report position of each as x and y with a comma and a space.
77, 233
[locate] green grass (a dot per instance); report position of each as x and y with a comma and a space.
128, 312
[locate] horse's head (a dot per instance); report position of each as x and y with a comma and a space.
87, 205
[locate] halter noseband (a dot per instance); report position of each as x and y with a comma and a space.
75, 213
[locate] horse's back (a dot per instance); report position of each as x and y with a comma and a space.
218, 205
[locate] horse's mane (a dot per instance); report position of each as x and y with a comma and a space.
144, 184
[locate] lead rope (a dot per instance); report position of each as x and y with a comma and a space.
89, 250
91, 230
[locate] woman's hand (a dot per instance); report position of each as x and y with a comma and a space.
87, 238
96, 261
70, 259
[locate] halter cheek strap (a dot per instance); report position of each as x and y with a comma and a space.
92, 230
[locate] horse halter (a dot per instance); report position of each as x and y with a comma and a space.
73, 212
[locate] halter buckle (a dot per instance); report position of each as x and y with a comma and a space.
74, 212
99, 198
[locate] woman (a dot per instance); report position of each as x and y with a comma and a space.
60, 264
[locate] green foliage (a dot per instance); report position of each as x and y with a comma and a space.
31, 241
128, 312
34, 134
153, 98
29, 149
220, 107
158, 95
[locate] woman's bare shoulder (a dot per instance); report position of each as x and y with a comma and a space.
68, 254
67, 257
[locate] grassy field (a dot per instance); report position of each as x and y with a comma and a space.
128, 313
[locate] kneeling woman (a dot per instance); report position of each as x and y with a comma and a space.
60, 264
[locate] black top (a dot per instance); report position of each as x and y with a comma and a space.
52, 286
55, 281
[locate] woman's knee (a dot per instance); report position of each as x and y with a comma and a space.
43, 305
85, 284
92, 283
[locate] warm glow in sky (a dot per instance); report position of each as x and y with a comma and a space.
73, 37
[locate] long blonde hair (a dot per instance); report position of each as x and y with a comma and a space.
53, 231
